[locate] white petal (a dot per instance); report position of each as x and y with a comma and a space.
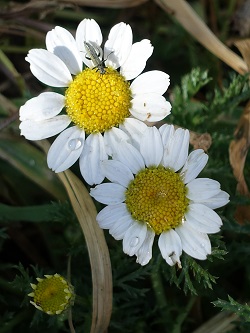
120, 227
170, 246
66, 149
134, 238
118, 45
88, 31
38, 130
194, 243
156, 82
202, 189
134, 128
130, 156
60, 42
196, 161
45, 106
136, 61
110, 214
144, 254
123, 151
113, 138
167, 133
91, 159
48, 68
150, 107
151, 147
117, 172
217, 201
176, 149
203, 219
108, 193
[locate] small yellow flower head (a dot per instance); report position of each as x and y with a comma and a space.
52, 295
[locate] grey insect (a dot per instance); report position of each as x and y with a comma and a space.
94, 57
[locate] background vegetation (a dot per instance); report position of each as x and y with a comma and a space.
40, 231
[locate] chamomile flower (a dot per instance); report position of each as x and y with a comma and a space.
96, 99
154, 192
52, 295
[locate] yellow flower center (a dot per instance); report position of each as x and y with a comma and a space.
157, 196
97, 102
52, 294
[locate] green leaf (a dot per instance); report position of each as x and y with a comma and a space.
190, 274
241, 310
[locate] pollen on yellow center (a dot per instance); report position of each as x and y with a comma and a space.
97, 102
157, 196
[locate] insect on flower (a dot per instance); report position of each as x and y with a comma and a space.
94, 57
79, 72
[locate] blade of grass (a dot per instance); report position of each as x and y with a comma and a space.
31, 162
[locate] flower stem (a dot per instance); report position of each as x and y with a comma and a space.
159, 289
183, 314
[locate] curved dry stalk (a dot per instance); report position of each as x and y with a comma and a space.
187, 17
108, 3
85, 211
221, 323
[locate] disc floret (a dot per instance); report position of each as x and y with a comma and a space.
157, 196
97, 102
52, 295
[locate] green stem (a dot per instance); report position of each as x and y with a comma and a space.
159, 290
183, 315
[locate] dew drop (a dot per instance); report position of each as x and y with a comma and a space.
32, 162
74, 144
134, 241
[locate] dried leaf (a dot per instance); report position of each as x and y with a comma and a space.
238, 150
202, 141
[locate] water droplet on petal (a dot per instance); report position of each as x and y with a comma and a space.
134, 241
74, 144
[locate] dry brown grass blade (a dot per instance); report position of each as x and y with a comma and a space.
109, 3
15, 8
221, 323
85, 211
187, 17
244, 48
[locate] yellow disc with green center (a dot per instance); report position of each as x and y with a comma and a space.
53, 294
157, 196
97, 102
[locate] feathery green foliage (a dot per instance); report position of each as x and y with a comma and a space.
39, 232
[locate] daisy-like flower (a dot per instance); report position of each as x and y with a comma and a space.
97, 98
52, 295
154, 191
